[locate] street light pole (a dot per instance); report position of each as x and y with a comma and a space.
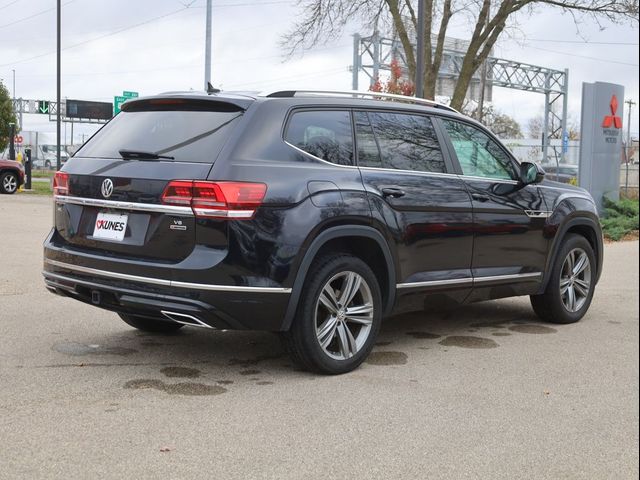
58, 40
631, 103
420, 51
207, 49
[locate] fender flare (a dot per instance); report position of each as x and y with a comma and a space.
314, 248
559, 238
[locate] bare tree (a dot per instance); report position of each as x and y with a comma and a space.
535, 126
323, 20
499, 123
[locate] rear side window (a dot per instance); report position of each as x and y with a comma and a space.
186, 135
325, 134
403, 142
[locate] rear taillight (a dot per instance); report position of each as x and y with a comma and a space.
61, 183
237, 200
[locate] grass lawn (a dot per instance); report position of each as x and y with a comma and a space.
39, 188
42, 173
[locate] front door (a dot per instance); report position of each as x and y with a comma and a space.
426, 208
509, 243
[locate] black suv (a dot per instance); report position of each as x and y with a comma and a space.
312, 214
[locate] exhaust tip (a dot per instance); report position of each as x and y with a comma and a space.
185, 319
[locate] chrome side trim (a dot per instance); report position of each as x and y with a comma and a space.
489, 179
500, 278
417, 172
182, 319
538, 213
141, 207
472, 280
318, 158
436, 283
164, 282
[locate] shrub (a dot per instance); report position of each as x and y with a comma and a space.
620, 218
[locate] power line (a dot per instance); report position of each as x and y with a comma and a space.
8, 4
581, 42
585, 57
99, 37
42, 12
178, 67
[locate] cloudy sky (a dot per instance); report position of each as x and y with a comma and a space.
151, 46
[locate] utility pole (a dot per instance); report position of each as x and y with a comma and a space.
14, 85
207, 48
420, 51
58, 41
630, 103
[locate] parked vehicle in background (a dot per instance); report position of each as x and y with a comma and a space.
311, 214
47, 156
11, 176
563, 173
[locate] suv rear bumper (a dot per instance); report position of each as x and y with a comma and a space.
219, 306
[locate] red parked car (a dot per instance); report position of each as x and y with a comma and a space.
11, 175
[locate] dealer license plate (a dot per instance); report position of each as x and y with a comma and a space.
110, 226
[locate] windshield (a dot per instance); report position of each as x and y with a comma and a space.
185, 135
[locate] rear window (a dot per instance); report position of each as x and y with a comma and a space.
194, 135
325, 134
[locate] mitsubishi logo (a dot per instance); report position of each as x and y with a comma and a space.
107, 188
612, 120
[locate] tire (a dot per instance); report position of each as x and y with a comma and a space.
324, 338
149, 324
557, 304
47, 164
8, 183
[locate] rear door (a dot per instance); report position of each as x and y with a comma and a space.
427, 209
509, 218
113, 203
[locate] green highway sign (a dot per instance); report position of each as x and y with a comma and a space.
43, 106
120, 99
117, 103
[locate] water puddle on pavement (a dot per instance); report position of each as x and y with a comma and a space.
423, 335
78, 349
530, 328
468, 341
387, 358
187, 388
180, 372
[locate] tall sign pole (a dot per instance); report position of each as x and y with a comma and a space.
420, 51
58, 87
631, 104
207, 49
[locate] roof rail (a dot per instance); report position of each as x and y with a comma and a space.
355, 93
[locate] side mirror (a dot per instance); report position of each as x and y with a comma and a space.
531, 173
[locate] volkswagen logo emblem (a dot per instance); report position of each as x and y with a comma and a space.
107, 188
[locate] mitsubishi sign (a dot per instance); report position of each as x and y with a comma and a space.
601, 140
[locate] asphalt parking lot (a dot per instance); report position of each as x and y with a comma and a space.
484, 391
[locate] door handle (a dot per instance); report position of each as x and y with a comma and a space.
393, 192
478, 197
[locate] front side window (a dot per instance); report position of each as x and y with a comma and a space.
403, 142
479, 155
325, 134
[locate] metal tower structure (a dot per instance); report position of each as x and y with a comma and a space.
373, 54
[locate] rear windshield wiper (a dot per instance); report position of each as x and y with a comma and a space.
141, 155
